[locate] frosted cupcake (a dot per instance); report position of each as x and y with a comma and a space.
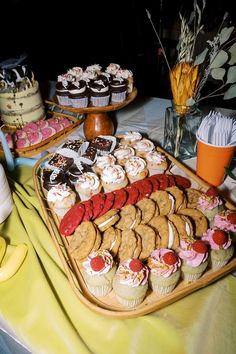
102, 162
210, 205
128, 75
130, 283
113, 177
61, 198
136, 169
78, 94
99, 93
221, 248
118, 87
226, 220
98, 271
130, 138
164, 267
87, 185
194, 256
123, 153
156, 161
143, 146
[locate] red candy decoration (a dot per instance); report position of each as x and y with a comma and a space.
212, 192
170, 258
232, 218
136, 265
199, 246
219, 237
97, 263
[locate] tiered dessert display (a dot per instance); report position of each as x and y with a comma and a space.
94, 92
132, 235
24, 120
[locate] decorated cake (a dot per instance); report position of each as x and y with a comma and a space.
20, 97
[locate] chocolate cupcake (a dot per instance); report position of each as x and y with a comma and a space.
99, 93
118, 87
62, 93
51, 178
78, 94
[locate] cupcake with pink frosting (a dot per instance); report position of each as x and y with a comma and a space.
210, 204
164, 267
221, 247
130, 283
113, 177
194, 256
226, 221
98, 271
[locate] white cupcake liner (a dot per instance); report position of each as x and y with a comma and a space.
63, 100
163, 290
130, 303
99, 291
79, 102
100, 101
118, 96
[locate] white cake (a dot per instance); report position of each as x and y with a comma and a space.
19, 108
6, 202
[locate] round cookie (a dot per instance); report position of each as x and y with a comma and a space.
162, 179
180, 198
130, 216
107, 220
71, 219
83, 240
127, 246
133, 194
164, 200
88, 210
108, 203
192, 196
183, 225
148, 209
199, 221
111, 239
120, 198
148, 238
166, 230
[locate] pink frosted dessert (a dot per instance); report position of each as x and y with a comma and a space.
225, 220
30, 127
194, 256
164, 266
210, 205
221, 248
65, 122
42, 123
22, 143
35, 137
130, 283
98, 270
9, 140
20, 134
48, 132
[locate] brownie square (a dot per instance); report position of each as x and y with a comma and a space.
101, 144
61, 162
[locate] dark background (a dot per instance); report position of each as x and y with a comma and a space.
58, 35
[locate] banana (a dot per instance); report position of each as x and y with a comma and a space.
14, 262
3, 247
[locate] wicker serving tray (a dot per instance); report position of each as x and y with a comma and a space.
47, 143
108, 305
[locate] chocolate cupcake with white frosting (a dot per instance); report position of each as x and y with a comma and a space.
78, 94
118, 87
99, 93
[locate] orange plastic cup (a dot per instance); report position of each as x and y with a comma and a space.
212, 160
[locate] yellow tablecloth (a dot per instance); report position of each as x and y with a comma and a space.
39, 304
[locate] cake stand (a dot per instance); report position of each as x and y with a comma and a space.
98, 120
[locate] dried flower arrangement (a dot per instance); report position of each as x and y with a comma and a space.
192, 70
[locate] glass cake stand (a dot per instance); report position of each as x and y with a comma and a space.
98, 120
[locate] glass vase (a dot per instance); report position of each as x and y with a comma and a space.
181, 125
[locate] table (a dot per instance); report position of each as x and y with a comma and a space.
40, 309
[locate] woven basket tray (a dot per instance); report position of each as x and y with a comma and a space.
108, 305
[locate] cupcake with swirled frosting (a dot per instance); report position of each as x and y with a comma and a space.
61, 198
136, 169
226, 221
221, 247
142, 147
87, 184
78, 94
102, 162
113, 177
98, 271
130, 282
194, 256
99, 93
210, 203
164, 267
129, 138
123, 154
156, 161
